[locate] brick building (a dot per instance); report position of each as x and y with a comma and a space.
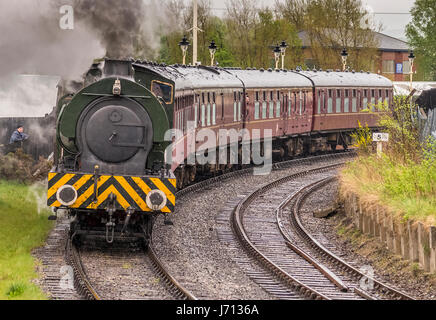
392, 58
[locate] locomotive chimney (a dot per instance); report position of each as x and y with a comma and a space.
114, 67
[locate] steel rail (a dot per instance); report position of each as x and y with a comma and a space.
299, 199
250, 247
174, 286
81, 281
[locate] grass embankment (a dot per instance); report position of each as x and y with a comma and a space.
23, 227
406, 190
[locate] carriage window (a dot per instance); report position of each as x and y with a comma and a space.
271, 105
264, 106
301, 103
354, 101
163, 90
346, 102
235, 106
319, 102
365, 99
278, 105
295, 103
380, 97
330, 102
203, 115
222, 106
208, 113
338, 101
372, 100
256, 107
239, 106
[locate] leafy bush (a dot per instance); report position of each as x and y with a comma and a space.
362, 139
19, 166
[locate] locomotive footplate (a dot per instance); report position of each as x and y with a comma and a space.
111, 207
92, 192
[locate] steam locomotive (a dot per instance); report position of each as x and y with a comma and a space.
111, 170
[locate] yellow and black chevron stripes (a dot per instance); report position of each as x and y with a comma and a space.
130, 191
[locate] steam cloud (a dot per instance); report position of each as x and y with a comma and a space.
32, 42
118, 23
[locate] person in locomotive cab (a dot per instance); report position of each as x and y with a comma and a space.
18, 136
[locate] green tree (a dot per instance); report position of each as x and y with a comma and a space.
270, 30
331, 25
421, 33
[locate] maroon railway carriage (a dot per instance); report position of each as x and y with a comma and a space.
306, 111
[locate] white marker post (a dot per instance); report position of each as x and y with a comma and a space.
380, 137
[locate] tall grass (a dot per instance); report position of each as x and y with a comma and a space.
23, 227
408, 190
403, 179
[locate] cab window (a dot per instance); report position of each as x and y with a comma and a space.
163, 90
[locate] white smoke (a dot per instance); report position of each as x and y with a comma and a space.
28, 96
33, 43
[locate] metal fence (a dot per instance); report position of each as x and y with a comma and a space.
41, 133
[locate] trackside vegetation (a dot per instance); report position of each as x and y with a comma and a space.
403, 178
23, 227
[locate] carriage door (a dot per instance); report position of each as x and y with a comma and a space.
322, 107
285, 112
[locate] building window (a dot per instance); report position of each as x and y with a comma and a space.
406, 67
388, 66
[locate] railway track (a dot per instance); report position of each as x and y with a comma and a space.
158, 283
287, 252
307, 246
87, 288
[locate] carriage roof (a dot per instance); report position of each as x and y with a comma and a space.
346, 79
202, 77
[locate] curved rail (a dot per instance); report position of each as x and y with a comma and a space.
321, 249
237, 222
81, 281
174, 286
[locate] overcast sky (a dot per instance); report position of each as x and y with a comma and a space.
393, 24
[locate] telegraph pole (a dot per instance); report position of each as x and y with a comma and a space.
195, 31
